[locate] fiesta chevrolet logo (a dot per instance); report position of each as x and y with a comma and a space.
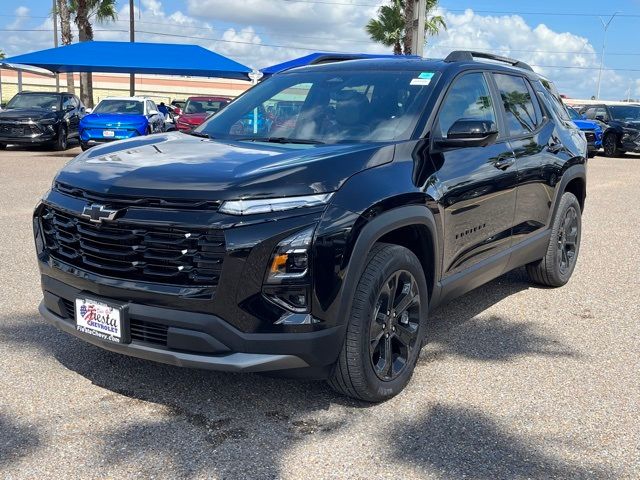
98, 213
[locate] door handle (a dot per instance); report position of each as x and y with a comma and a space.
504, 163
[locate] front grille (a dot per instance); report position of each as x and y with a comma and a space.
148, 332
590, 136
141, 331
124, 201
17, 130
156, 254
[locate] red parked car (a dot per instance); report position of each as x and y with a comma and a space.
197, 109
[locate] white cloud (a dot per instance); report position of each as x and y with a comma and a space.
259, 33
543, 48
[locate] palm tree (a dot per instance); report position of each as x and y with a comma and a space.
388, 28
394, 25
66, 35
85, 11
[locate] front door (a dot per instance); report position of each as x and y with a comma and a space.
477, 184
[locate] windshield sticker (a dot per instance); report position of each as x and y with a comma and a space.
420, 81
426, 75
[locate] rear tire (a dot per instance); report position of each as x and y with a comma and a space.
556, 267
3, 146
385, 327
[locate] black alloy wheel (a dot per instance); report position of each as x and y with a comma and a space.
568, 241
385, 327
62, 142
394, 330
610, 144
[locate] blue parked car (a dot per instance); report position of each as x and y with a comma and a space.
592, 131
117, 118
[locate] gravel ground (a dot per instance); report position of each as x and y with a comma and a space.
516, 382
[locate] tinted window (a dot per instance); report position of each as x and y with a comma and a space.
522, 115
202, 105
68, 101
468, 98
130, 107
625, 113
328, 107
44, 101
590, 113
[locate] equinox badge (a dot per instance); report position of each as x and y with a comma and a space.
97, 213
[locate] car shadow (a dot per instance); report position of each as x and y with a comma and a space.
246, 421
458, 442
16, 440
457, 329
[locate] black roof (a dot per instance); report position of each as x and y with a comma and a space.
458, 62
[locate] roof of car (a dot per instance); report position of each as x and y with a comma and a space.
137, 99
410, 64
209, 97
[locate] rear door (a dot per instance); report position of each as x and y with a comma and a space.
478, 183
532, 139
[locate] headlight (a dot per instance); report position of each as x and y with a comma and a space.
266, 205
287, 280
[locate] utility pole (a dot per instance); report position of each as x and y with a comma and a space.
55, 38
132, 38
420, 18
605, 25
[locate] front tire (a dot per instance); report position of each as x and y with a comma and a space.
62, 142
385, 327
610, 145
556, 267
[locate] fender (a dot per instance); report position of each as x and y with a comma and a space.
574, 171
370, 233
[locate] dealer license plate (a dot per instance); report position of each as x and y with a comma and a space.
108, 133
99, 319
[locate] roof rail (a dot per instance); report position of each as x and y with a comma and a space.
470, 56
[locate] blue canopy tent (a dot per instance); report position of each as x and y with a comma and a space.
322, 57
128, 57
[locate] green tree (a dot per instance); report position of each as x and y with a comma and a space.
63, 11
394, 25
85, 12
388, 27
2, 55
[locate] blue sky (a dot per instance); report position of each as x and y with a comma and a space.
564, 47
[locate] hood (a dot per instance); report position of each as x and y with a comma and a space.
111, 120
180, 166
587, 125
193, 118
27, 114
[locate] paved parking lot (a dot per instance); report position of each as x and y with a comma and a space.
516, 382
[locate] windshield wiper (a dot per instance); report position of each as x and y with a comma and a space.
280, 140
199, 134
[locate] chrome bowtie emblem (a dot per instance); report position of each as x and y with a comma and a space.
97, 213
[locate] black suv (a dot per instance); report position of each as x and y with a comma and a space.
621, 127
316, 243
40, 118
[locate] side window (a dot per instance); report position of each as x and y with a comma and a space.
521, 112
468, 98
602, 112
67, 101
590, 113
150, 106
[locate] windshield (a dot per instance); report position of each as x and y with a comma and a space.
625, 113
204, 106
126, 107
574, 115
326, 107
44, 101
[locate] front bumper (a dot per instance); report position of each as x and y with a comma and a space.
195, 339
30, 140
94, 136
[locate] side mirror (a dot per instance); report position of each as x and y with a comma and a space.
153, 112
3, 105
467, 132
601, 118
